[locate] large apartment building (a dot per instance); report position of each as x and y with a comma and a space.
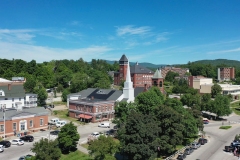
226, 74
180, 71
139, 75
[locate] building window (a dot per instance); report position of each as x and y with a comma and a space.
98, 117
19, 99
15, 126
13, 99
22, 126
41, 122
96, 109
1, 128
12, 105
31, 123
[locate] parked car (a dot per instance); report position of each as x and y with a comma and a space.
5, 144
17, 142
27, 138
188, 151
104, 125
195, 145
181, 156
54, 132
205, 121
1, 148
25, 157
202, 141
60, 123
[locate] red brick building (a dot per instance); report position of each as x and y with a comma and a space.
226, 74
180, 71
21, 121
139, 75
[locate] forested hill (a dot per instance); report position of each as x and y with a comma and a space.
220, 62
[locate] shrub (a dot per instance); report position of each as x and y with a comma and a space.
225, 127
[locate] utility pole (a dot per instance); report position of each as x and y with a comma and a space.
4, 121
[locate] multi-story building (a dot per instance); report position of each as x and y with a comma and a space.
18, 111
226, 74
202, 84
139, 75
180, 71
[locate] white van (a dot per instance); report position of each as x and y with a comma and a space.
104, 125
60, 123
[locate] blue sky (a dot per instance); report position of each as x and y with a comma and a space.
156, 31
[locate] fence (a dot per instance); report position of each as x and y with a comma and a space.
179, 151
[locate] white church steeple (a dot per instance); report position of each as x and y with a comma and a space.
128, 90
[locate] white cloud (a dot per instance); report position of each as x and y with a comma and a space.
39, 53
225, 51
17, 35
131, 30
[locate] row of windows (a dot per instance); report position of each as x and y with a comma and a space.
22, 125
98, 109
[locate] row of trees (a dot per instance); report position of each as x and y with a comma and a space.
70, 76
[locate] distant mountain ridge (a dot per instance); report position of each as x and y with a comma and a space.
216, 62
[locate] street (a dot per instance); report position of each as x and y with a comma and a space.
218, 139
15, 152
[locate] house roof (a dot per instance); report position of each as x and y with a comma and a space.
9, 114
16, 91
139, 69
138, 90
98, 94
123, 58
4, 80
157, 74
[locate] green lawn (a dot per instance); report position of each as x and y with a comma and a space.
63, 114
225, 127
235, 108
77, 155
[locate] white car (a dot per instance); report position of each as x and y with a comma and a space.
1, 148
60, 123
17, 142
104, 125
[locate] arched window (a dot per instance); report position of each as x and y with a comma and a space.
160, 84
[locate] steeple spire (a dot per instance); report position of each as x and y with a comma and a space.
128, 78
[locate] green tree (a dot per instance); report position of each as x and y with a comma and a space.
170, 76
215, 90
46, 150
30, 84
68, 137
64, 95
190, 100
140, 133
205, 102
148, 101
221, 106
103, 148
42, 94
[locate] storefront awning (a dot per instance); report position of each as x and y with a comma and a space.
84, 116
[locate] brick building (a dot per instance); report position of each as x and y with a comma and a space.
226, 74
93, 105
21, 111
139, 75
180, 71
23, 120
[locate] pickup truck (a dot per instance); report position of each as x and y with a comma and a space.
53, 121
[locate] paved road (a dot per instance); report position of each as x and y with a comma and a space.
218, 140
14, 152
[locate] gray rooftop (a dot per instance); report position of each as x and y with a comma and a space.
157, 74
123, 58
140, 69
16, 91
9, 114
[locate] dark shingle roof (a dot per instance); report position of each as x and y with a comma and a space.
139, 69
123, 58
16, 91
38, 111
138, 90
99, 94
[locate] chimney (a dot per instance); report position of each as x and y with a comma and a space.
92, 98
